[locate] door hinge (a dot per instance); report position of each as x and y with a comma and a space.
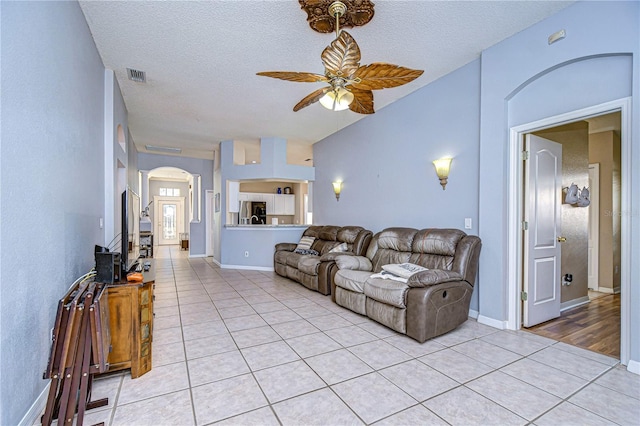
523, 296
525, 155
525, 225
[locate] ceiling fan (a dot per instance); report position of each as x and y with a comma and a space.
350, 84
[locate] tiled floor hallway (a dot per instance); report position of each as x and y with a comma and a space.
246, 347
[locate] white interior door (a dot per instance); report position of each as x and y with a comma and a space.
542, 202
594, 227
169, 218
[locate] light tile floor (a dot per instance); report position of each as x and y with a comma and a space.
243, 347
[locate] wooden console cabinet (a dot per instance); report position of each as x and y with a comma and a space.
131, 323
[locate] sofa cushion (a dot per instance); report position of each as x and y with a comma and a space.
309, 265
348, 234
351, 280
324, 246
329, 233
387, 291
292, 259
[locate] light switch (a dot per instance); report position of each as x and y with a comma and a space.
467, 223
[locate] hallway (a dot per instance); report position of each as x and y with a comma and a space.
594, 326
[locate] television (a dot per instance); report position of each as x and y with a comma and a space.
130, 244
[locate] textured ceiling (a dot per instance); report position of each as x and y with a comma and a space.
201, 58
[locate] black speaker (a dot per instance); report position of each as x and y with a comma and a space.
107, 267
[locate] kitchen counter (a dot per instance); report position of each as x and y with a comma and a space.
267, 226
252, 246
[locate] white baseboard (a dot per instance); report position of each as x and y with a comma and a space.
500, 325
633, 367
250, 268
191, 256
37, 408
574, 303
473, 314
608, 290
215, 261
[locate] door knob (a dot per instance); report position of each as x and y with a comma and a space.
562, 239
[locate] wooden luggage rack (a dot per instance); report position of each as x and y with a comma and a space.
81, 342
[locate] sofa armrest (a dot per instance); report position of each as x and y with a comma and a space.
433, 276
327, 257
357, 263
286, 246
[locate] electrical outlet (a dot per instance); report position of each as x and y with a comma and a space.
52, 334
246, 254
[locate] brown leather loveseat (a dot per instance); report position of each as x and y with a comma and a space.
314, 271
431, 302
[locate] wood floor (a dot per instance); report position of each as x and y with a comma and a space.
594, 326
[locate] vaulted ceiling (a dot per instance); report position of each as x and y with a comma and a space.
201, 60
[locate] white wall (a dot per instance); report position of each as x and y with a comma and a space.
52, 168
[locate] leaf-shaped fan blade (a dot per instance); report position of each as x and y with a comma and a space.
379, 75
362, 100
311, 98
342, 57
300, 77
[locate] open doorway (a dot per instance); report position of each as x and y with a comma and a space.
579, 292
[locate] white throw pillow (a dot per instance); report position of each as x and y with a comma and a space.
340, 248
305, 243
404, 270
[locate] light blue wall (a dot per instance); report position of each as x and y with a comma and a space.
525, 79
260, 244
197, 231
385, 161
273, 163
52, 168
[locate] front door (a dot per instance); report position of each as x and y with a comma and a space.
169, 217
542, 234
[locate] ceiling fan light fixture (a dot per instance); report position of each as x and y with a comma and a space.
337, 100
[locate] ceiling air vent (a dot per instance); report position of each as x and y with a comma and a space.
137, 76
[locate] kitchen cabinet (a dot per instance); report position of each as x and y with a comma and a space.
271, 205
289, 205
283, 205
277, 204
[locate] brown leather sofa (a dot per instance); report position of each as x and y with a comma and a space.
315, 271
431, 302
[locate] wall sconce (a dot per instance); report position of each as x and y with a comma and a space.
337, 187
442, 170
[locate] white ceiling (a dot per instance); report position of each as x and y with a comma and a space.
201, 60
